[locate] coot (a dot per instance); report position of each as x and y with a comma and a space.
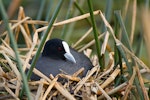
57, 56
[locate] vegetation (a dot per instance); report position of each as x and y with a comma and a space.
113, 34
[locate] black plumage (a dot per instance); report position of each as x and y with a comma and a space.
53, 59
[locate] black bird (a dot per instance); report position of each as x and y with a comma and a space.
57, 55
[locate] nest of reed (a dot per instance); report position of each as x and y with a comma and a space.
115, 81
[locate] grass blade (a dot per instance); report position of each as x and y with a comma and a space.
107, 13
81, 11
95, 34
42, 6
49, 10
69, 14
125, 38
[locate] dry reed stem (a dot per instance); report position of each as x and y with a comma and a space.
26, 37
49, 34
110, 66
90, 43
113, 91
10, 92
108, 25
16, 25
49, 88
103, 48
125, 9
38, 82
83, 80
133, 21
37, 72
74, 19
4, 84
35, 39
25, 24
140, 62
13, 67
19, 18
79, 18
7, 51
87, 52
111, 78
6, 39
78, 72
60, 88
72, 78
145, 25
18, 85
104, 93
11, 85
5, 44
1, 72
94, 60
83, 37
24, 49
28, 56
39, 93
64, 91
129, 86
54, 94
38, 22
146, 97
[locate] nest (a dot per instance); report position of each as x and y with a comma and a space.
97, 84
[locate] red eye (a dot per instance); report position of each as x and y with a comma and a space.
59, 48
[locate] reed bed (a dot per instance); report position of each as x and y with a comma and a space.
121, 80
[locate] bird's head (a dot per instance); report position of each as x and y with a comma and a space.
58, 49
